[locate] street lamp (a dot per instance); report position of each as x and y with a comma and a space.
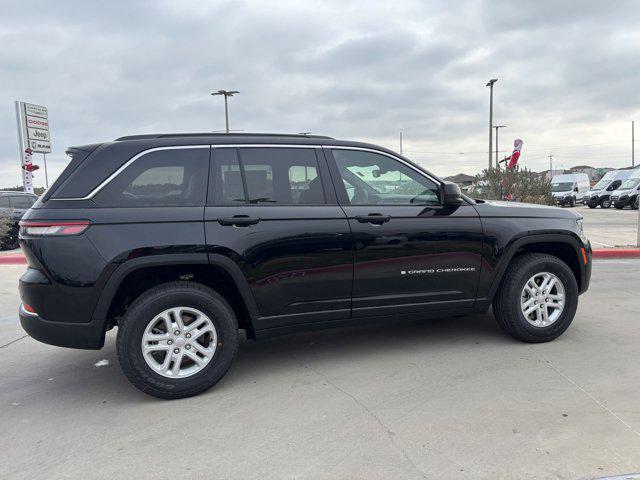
226, 93
490, 85
497, 127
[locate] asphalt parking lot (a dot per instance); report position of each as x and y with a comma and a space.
453, 398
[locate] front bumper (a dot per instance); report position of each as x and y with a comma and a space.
563, 200
72, 335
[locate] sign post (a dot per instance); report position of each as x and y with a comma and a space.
33, 137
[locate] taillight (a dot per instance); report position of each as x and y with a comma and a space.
30, 228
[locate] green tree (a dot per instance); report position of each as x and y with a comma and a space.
515, 185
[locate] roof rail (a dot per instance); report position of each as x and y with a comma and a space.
209, 134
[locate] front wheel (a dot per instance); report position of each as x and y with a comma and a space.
537, 299
635, 205
177, 340
606, 203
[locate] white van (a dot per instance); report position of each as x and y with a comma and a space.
569, 188
627, 193
600, 193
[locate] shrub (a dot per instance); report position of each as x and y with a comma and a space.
514, 185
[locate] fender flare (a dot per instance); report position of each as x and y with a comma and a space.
566, 238
120, 273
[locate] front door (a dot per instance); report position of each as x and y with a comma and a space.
273, 211
411, 254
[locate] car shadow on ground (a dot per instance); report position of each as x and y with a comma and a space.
76, 371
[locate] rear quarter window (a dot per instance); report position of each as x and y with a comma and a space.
174, 177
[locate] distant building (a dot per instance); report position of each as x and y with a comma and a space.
464, 181
595, 174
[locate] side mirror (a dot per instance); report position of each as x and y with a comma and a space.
575, 189
451, 195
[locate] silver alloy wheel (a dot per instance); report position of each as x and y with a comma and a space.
179, 342
543, 299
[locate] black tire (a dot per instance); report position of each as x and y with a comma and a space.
618, 207
506, 304
635, 205
591, 206
572, 202
155, 301
605, 203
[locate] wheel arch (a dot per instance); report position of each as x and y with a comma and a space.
563, 246
130, 279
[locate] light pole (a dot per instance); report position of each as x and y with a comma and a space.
497, 127
226, 93
490, 85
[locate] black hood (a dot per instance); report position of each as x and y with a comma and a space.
494, 208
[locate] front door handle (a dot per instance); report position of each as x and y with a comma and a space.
238, 221
374, 218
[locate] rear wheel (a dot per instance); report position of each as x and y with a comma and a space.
177, 340
537, 299
605, 203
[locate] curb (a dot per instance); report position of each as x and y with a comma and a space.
13, 260
601, 253
617, 253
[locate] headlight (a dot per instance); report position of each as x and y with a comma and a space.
581, 234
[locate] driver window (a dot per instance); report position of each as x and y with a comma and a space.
375, 179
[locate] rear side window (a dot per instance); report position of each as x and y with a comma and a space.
166, 178
272, 176
4, 202
21, 202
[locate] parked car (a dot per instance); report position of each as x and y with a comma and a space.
182, 240
627, 193
12, 206
569, 188
600, 193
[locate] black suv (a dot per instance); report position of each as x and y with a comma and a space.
182, 240
12, 206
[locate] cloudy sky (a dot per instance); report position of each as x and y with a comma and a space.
569, 74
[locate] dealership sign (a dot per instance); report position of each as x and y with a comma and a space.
33, 137
34, 126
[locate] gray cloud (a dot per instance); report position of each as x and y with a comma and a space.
568, 73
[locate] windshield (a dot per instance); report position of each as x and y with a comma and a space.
630, 183
601, 185
561, 187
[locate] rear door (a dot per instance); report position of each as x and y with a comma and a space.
273, 211
411, 254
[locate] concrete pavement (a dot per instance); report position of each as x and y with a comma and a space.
607, 228
453, 398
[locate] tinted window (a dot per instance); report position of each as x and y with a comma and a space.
227, 188
174, 177
4, 202
280, 176
375, 179
21, 202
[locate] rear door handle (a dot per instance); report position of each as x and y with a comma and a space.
374, 218
238, 221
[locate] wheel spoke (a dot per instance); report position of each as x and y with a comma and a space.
156, 348
199, 361
176, 318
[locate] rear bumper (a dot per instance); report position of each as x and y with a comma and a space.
72, 335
